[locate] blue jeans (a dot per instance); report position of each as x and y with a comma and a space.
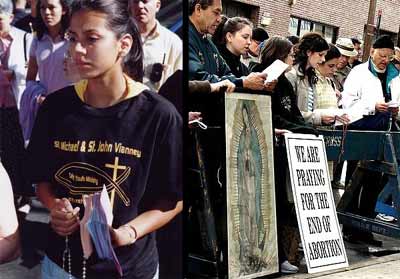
51, 270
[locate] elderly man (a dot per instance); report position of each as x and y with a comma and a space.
347, 50
371, 97
205, 62
14, 49
372, 90
162, 48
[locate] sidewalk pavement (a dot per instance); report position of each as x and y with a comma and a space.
386, 267
365, 262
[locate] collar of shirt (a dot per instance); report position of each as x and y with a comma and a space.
192, 29
50, 39
320, 76
5, 43
154, 33
134, 88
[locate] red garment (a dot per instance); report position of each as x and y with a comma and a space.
6, 97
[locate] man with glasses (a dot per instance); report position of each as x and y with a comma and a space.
162, 48
371, 96
346, 48
371, 86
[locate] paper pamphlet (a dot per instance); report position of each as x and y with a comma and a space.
274, 70
95, 228
393, 104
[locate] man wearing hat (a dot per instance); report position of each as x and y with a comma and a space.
371, 86
371, 96
356, 60
347, 50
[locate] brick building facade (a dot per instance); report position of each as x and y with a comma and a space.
342, 18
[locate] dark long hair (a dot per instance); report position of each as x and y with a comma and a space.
119, 21
276, 47
332, 53
313, 42
217, 37
229, 25
40, 26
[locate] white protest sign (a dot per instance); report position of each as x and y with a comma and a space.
315, 207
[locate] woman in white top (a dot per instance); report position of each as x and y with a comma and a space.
49, 47
9, 237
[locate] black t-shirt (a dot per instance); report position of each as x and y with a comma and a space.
134, 146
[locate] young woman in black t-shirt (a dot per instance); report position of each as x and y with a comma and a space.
108, 129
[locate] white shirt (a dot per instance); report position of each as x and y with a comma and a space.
362, 90
8, 216
49, 56
161, 42
16, 60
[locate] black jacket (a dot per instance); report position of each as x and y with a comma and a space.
285, 112
237, 68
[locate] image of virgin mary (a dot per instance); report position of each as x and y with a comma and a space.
252, 234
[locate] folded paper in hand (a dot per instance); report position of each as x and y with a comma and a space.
393, 104
274, 70
98, 225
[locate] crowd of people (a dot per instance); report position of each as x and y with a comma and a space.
86, 80
325, 85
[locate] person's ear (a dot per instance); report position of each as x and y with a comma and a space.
371, 52
229, 37
197, 9
158, 6
126, 42
309, 53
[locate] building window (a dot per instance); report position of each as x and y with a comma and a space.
299, 26
232, 8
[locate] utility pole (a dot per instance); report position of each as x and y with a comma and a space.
370, 30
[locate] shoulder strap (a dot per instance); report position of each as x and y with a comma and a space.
25, 55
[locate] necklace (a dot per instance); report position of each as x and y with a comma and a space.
67, 256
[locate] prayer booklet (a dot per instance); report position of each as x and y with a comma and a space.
98, 225
393, 104
274, 70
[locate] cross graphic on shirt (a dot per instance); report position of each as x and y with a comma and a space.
115, 167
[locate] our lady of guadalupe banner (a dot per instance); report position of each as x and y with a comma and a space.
252, 234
